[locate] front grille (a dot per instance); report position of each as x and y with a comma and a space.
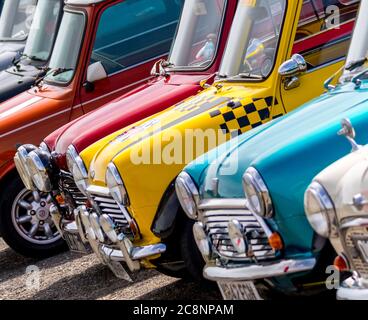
70, 189
352, 235
215, 222
107, 205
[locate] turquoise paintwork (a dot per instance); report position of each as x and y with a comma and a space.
288, 153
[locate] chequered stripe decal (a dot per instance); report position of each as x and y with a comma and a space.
239, 117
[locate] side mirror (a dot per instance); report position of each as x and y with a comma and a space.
347, 130
290, 71
95, 72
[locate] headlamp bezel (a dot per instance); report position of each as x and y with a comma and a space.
252, 179
326, 206
116, 185
187, 190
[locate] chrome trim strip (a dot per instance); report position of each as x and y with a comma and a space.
354, 222
101, 191
222, 204
253, 271
136, 254
353, 289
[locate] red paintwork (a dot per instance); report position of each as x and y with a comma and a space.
21, 123
144, 101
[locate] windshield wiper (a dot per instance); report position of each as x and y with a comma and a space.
159, 68
47, 71
241, 75
250, 76
356, 64
58, 71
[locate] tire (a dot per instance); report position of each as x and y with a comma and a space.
190, 253
182, 258
24, 237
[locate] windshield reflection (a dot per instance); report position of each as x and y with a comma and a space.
16, 19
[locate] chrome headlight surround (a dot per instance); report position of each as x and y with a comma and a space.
320, 209
77, 169
116, 185
257, 194
20, 160
39, 164
188, 194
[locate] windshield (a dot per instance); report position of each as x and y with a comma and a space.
43, 29
16, 19
65, 54
198, 33
253, 40
358, 52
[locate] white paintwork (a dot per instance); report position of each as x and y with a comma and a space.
95, 72
82, 2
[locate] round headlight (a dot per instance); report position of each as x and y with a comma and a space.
116, 185
77, 169
187, 194
257, 194
201, 240
319, 209
38, 163
20, 160
108, 226
236, 235
95, 225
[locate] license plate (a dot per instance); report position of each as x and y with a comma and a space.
242, 290
118, 270
362, 245
75, 243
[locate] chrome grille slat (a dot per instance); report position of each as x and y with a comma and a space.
215, 223
68, 186
107, 205
357, 261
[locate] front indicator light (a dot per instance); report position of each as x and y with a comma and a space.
341, 264
275, 241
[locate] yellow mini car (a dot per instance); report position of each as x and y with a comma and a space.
278, 55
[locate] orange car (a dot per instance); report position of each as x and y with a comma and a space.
104, 49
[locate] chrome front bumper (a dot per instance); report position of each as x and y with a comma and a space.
121, 251
257, 271
353, 288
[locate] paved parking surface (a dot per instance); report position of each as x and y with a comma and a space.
70, 276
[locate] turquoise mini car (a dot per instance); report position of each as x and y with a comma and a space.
248, 196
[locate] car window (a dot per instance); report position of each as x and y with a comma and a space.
133, 31
325, 29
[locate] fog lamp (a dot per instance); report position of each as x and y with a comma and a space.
201, 240
109, 226
236, 235
95, 225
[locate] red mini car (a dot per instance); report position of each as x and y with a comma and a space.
193, 62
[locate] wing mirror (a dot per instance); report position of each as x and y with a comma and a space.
347, 130
95, 72
290, 71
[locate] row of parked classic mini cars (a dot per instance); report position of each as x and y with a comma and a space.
206, 166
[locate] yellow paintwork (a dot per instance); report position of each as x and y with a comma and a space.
147, 183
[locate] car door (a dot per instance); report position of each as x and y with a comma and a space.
323, 37
130, 36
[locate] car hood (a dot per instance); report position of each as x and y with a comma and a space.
293, 149
12, 111
185, 115
138, 104
15, 81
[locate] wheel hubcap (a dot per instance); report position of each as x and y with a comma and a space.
31, 217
